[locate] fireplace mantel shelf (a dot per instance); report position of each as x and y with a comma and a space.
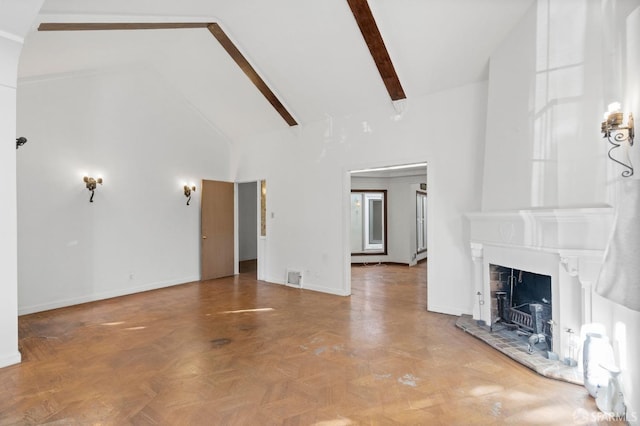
583, 230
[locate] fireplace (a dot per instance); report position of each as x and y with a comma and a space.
557, 253
521, 301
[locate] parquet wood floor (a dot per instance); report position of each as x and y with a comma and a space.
193, 355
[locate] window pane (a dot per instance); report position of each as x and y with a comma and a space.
368, 222
375, 221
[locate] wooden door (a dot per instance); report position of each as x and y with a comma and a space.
217, 227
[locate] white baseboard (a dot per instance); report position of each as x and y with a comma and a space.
10, 359
273, 280
328, 290
448, 310
24, 310
312, 287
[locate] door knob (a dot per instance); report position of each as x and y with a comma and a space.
204, 237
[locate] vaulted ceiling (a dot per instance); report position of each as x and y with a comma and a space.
311, 55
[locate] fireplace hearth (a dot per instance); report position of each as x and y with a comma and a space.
516, 348
522, 303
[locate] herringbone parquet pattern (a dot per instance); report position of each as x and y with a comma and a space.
185, 356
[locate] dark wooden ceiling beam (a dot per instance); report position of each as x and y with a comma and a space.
369, 29
215, 30
250, 72
103, 26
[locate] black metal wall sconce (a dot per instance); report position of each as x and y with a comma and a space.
20, 141
91, 184
617, 132
187, 192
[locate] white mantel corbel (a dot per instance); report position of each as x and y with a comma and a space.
476, 252
585, 266
570, 264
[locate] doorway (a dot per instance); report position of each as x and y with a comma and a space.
404, 225
247, 228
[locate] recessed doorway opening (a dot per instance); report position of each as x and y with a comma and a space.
249, 227
386, 223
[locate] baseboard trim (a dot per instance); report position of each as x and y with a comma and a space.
10, 359
447, 310
25, 310
360, 263
327, 290
313, 287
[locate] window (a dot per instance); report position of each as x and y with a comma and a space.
421, 221
368, 222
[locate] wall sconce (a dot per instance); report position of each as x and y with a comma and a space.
91, 184
616, 131
187, 192
20, 141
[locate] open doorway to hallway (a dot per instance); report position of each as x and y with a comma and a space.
388, 229
248, 228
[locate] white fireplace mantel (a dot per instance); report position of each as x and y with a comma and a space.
566, 244
550, 230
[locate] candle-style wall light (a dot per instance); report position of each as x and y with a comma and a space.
617, 132
187, 192
91, 185
20, 141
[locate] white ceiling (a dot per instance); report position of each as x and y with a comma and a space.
310, 53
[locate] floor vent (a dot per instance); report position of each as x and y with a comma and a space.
294, 278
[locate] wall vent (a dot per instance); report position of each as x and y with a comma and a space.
294, 278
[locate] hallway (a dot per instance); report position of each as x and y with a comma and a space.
239, 351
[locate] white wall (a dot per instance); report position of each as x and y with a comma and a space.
138, 234
406, 189
309, 198
9, 52
15, 19
545, 94
400, 216
550, 81
247, 221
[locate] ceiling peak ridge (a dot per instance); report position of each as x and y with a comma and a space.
88, 72
11, 37
139, 68
122, 68
179, 96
